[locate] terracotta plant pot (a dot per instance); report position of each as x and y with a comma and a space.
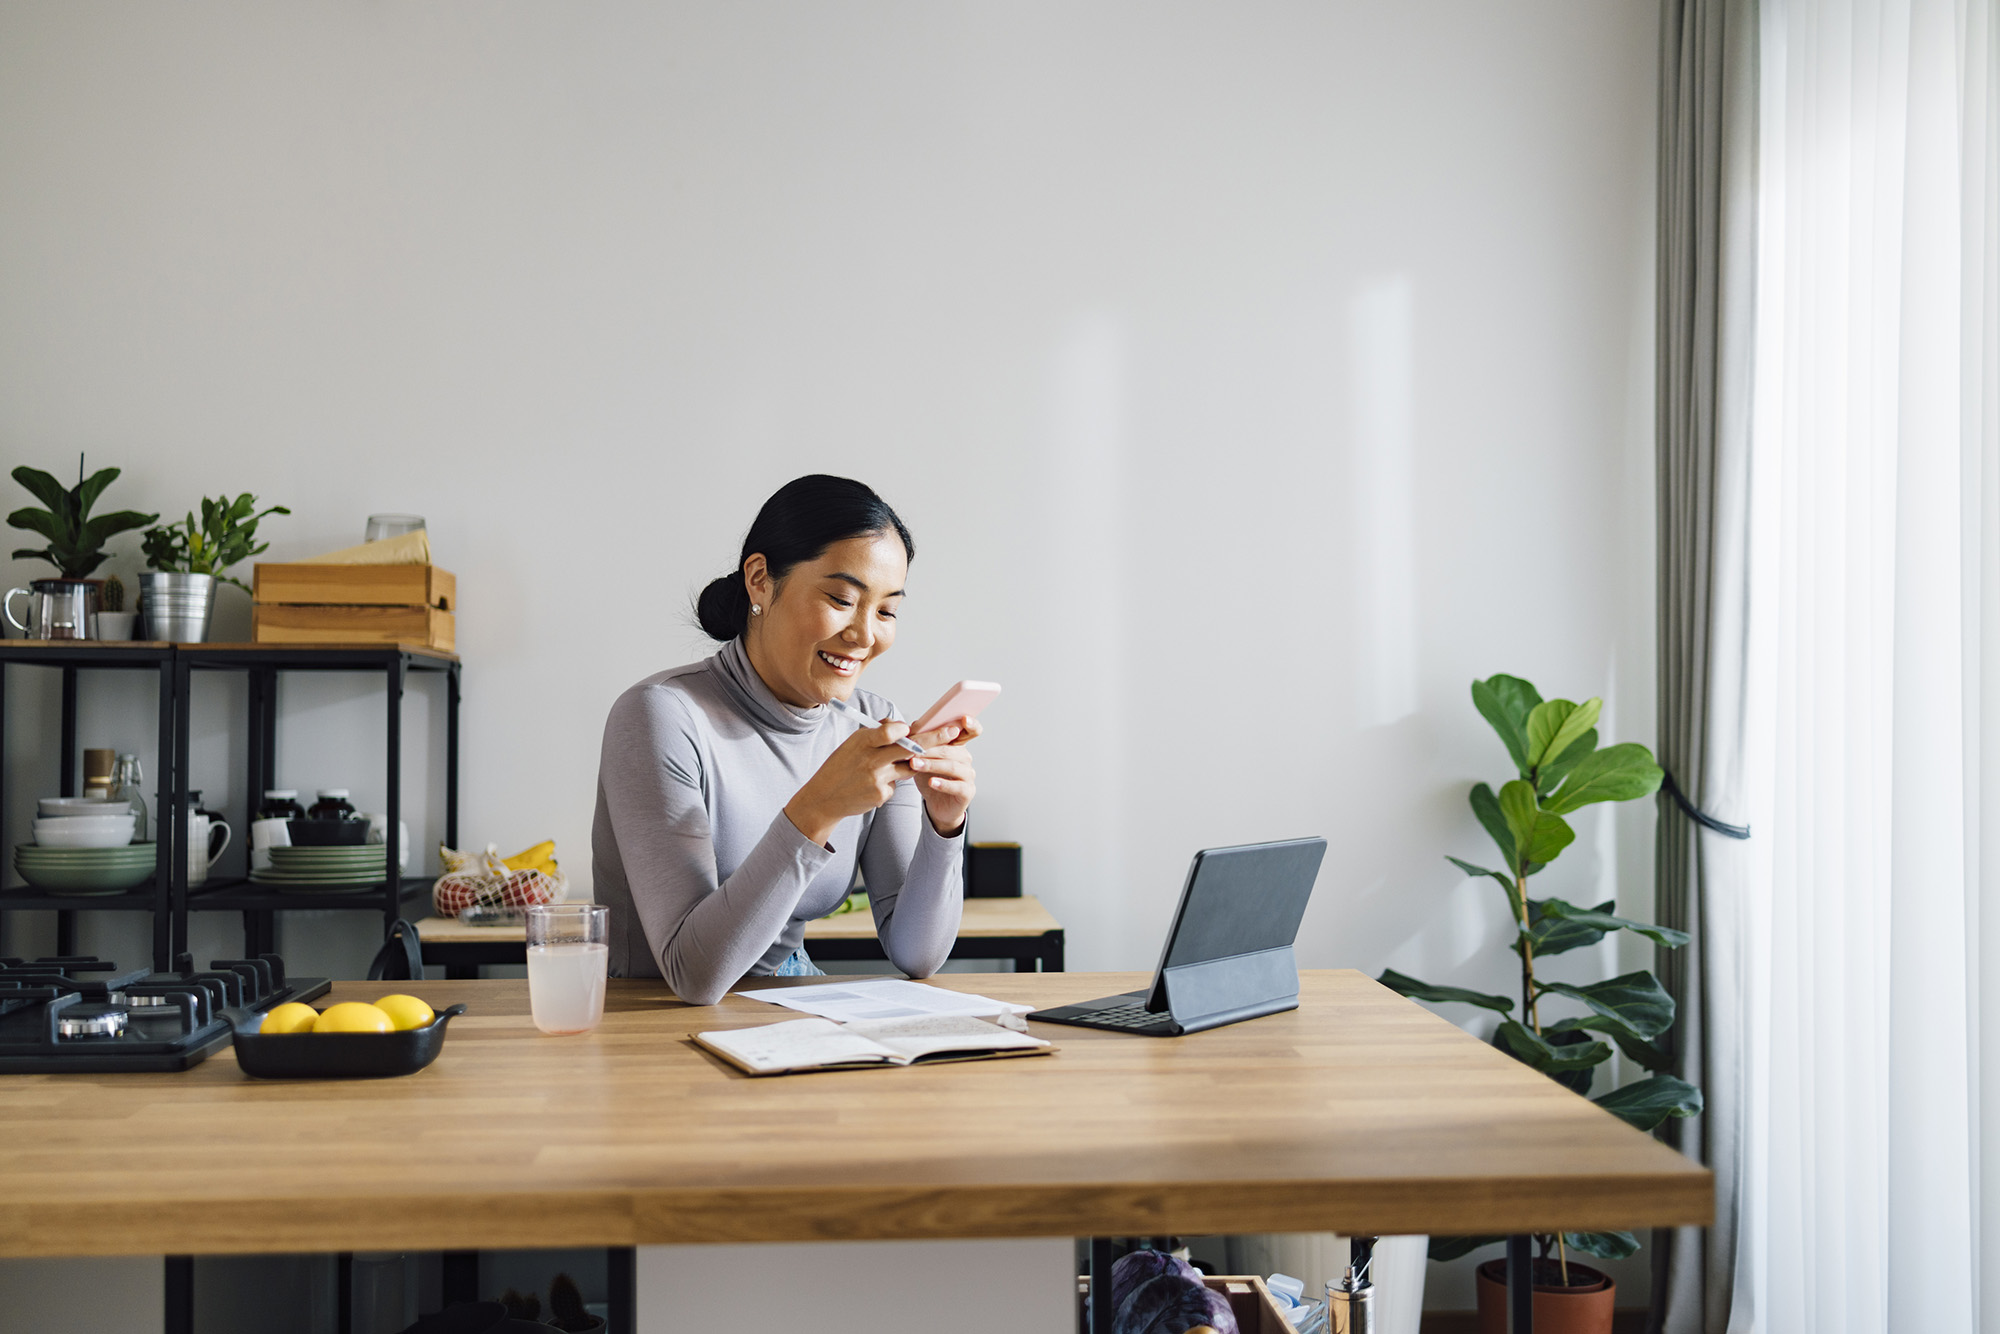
1584, 1307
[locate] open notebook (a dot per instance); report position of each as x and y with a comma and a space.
797, 1045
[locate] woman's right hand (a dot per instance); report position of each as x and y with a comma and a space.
860, 775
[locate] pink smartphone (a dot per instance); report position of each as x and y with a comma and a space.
963, 700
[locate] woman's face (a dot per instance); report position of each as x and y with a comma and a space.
827, 619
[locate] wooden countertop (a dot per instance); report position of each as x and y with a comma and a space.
1360, 1112
1024, 916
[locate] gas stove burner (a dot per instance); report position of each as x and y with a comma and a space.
97, 1024
134, 1000
82, 1015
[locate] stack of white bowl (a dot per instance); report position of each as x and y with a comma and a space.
83, 845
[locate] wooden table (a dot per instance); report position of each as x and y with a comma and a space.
1020, 929
1358, 1113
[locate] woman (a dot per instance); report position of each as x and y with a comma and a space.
734, 805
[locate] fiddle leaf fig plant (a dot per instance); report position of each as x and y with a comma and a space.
1560, 769
75, 539
225, 535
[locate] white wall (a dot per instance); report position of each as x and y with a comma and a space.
1253, 376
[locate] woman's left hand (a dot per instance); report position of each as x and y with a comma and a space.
944, 773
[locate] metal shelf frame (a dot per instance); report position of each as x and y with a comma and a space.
168, 896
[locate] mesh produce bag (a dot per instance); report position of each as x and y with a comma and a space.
484, 880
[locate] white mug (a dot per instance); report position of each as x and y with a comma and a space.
265, 835
202, 847
378, 832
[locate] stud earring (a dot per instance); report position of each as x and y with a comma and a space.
756, 610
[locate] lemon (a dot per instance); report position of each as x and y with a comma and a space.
405, 1011
291, 1017
353, 1017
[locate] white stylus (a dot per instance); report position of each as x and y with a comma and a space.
866, 721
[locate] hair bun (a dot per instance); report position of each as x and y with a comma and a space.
723, 608
798, 523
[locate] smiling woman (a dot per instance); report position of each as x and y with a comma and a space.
734, 805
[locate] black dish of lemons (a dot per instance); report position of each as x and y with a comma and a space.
396, 1035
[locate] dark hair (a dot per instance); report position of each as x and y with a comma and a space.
798, 523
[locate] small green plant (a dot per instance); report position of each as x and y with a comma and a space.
75, 539
225, 535
111, 597
1561, 768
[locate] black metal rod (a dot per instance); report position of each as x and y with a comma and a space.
343, 1288
451, 689
621, 1271
392, 836
177, 819
163, 832
3, 760
257, 780
460, 1278
69, 732
263, 926
1520, 1284
270, 678
1101, 1260
179, 1313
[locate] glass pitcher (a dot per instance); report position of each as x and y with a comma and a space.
57, 609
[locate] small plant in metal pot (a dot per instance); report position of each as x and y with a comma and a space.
224, 536
1560, 769
74, 537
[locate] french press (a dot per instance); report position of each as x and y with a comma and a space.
57, 609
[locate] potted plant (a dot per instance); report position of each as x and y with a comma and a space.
75, 546
1561, 769
113, 621
186, 558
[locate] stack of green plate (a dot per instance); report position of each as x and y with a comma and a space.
85, 870
321, 869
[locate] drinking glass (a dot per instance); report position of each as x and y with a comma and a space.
569, 947
393, 525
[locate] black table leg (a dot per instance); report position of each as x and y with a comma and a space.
1101, 1259
461, 1277
1051, 960
621, 1270
1520, 1284
180, 1295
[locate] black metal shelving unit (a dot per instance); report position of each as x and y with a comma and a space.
169, 897
70, 657
260, 904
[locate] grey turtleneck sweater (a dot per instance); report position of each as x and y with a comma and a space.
706, 877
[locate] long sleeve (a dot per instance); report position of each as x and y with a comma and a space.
915, 883
704, 932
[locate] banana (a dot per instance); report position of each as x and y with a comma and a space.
541, 857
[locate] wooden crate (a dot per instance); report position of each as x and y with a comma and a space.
355, 604
357, 585
1256, 1311
282, 624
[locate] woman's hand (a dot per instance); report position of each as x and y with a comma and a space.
945, 775
860, 775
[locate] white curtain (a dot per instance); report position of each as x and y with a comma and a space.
1872, 1184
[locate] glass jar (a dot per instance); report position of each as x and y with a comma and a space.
332, 805
125, 780
281, 803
